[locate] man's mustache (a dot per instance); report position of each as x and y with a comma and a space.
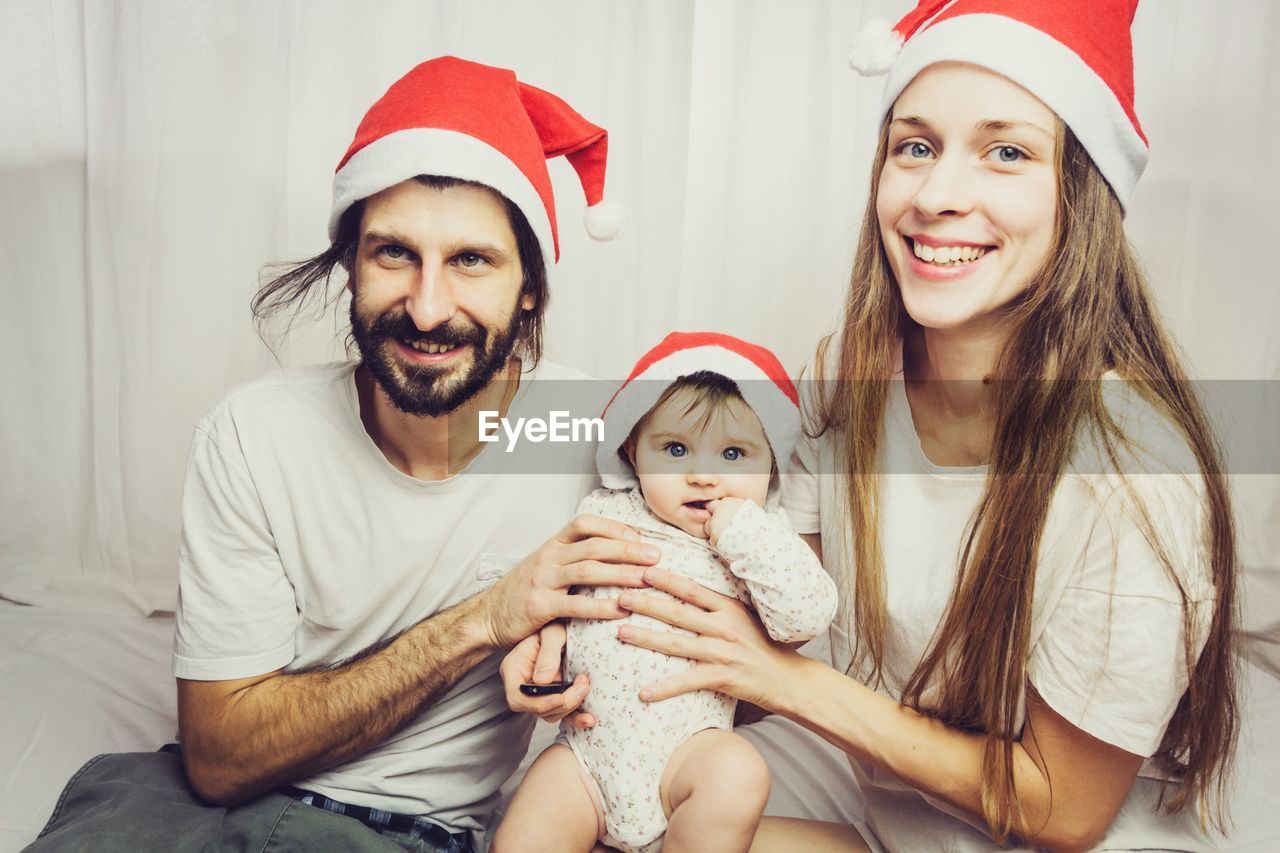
453, 333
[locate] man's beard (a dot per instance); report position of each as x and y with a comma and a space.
422, 389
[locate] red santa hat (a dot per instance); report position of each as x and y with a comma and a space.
1075, 57
459, 119
760, 377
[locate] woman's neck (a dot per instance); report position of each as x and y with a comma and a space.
955, 366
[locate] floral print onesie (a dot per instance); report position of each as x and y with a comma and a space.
758, 559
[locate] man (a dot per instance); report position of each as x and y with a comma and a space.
354, 559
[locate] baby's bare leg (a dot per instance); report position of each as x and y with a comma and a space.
714, 789
552, 811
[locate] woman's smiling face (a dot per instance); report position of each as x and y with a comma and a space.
968, 194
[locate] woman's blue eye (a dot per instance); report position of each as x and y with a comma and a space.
917, 150
676, 449
732, 454
1009, 154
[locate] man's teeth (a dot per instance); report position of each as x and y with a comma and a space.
947, 255
432, 349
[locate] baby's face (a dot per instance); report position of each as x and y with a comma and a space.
683, 462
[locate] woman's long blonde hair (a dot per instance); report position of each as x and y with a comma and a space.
1087, 311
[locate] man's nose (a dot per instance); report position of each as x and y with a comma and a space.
947, 188
430, 302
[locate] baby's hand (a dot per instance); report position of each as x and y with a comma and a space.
722, 513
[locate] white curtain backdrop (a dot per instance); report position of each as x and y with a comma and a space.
154, 155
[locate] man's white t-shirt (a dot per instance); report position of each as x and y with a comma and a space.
302, 546
1106, 649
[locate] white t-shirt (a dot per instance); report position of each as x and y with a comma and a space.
1106, 636
302, 545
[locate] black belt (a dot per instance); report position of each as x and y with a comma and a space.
378, 820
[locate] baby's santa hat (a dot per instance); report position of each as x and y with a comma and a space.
1075, 57
759, 375
460, 119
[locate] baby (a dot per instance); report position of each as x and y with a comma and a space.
690, 461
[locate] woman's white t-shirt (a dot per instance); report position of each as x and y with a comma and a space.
1106, 648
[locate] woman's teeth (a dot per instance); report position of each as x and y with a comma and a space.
431, 349
947, 255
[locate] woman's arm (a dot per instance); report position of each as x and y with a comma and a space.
1090, 778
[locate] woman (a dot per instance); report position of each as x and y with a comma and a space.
1039, 615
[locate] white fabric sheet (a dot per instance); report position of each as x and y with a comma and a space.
78, 683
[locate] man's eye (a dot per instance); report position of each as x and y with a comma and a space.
470, 260
393, 252
733, 454
675, 448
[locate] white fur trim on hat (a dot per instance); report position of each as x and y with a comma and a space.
1047, 69
778, 415
405, 154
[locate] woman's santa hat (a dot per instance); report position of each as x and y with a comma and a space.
460, 119
760, 377
1075, 57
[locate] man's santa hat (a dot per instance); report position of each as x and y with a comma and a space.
760, 377
459, 119
1075, 57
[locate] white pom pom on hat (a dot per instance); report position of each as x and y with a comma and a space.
606, 220
875, 48
1075, 57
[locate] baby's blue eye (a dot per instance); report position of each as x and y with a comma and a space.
676, 449
732, 454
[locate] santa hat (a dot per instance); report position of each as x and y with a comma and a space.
460, 119
1075, 57
760, 377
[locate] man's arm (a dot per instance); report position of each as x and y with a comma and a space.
242, 737
246, 736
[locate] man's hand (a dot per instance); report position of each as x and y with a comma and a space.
536, 660
722, 513
589, 551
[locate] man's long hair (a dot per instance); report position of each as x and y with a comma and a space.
289, 289
1087, 311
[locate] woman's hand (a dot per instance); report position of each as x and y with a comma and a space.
536, 660
733, 652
